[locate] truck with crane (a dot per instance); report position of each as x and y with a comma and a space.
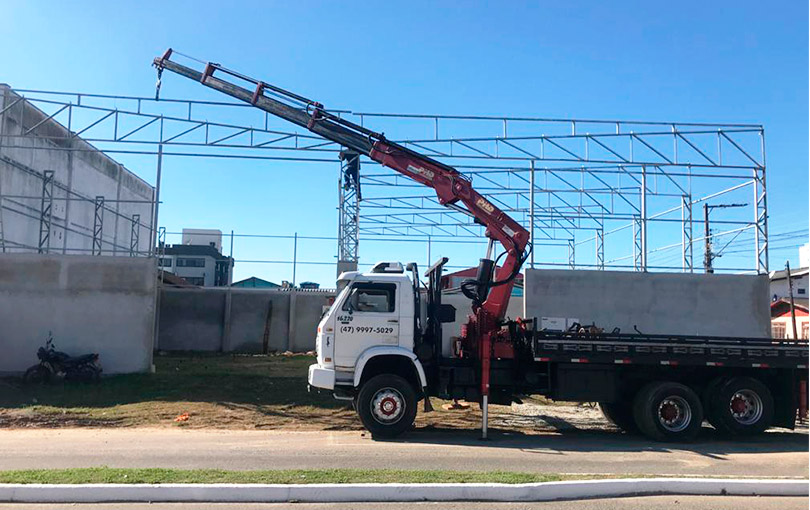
380, 343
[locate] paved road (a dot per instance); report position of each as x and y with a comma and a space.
647, 503
772, 455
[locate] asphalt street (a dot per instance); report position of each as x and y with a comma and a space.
647, 503
776, 454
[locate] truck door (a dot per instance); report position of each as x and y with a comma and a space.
368, 317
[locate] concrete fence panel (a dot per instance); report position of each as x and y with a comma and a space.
657, 303
89, 304
240, 320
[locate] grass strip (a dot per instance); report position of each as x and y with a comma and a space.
287, 476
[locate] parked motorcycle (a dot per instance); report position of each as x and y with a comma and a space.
54, 365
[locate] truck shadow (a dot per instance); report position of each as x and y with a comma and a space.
709, 443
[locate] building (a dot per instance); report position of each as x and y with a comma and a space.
61, 195
779, 283
255, 283
199, 260
782, 319
804, 255
203, 237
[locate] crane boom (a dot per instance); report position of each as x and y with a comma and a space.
490, 295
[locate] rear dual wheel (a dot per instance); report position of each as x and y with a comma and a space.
739, 406
668, 411
619, 414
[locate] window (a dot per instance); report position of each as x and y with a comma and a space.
190, 262
801, 291
778, 330
371, 297
165, 262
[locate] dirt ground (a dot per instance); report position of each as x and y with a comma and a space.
243, 392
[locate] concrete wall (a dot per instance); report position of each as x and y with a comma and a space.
222, 319
90, 304
80, 172
658, 303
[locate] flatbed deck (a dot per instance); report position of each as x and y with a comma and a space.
673, 350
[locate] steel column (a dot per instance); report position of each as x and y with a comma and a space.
134, 235
686, 234
643, 219
761, 212
156, 208
98, 225
46, 212
572, 262
531, 211
348, 212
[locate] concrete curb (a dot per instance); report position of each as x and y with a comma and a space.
323, 493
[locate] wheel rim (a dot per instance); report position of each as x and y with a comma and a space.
387, 406
674, 413
745, 407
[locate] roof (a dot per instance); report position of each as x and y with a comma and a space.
781, 306
172, 280
200, 250
255, 282
794, 273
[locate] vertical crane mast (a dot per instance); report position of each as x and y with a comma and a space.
490, 295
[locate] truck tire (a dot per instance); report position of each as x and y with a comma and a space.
742, 406
668, 411
620, 415
386, 405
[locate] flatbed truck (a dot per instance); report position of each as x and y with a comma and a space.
380, 344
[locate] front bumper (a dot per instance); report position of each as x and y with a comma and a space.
320, 377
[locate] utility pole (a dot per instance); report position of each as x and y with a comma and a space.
708, 255
792, 307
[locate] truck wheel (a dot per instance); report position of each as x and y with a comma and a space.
386, 405
668, 411
619, 414
741, 406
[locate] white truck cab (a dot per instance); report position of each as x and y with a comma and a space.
368, 335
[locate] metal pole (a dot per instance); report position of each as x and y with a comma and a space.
155, 220
531, 211
485, 418
295, 257
792, 306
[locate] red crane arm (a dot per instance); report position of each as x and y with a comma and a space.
451, 187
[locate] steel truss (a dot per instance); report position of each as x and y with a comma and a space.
627, 188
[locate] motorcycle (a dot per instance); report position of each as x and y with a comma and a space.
54, 365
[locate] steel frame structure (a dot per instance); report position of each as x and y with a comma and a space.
624, 187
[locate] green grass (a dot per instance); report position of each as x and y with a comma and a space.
297, 476
216, 390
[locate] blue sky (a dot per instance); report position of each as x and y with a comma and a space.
736, 61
